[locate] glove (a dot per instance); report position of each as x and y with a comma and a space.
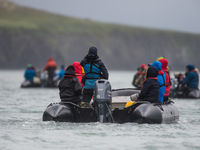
134, 97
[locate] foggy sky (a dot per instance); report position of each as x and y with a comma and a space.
181, 15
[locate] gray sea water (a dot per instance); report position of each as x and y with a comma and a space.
22, 128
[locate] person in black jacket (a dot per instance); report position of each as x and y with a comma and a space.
94, 69
70, 87
150, 90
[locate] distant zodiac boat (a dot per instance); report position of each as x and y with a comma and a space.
109, 107
177, 93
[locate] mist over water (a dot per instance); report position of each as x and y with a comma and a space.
22, 128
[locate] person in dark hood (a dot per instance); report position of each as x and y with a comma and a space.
70, 87
191, 80
151, 87
94, 69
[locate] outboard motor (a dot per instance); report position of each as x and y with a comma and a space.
102, 101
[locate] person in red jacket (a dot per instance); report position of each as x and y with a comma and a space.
78, 71
164, 63
50, 67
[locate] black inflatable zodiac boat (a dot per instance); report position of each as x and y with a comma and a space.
109, 107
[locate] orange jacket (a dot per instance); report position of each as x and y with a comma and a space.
50, 63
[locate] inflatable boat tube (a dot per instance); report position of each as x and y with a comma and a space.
68, 112
155, 113
27, 84
37, 85
194, 94
143, 112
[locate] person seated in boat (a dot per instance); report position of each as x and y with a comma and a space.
50, 67
61, 73
140, 76
29, 73
191, 80
161, 79
94, 69
179, 77
70, 87
164, 63
151, 87
79, 71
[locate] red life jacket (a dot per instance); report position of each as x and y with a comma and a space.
168, 83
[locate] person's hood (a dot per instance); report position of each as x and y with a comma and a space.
159, 58
157, 65
51, 62
77, 67
50, 59
70, 71
190, 67
164, 63
144, 66
62, 67
92, 53
29, 66
152, 72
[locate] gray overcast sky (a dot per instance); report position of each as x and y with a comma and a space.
181, 15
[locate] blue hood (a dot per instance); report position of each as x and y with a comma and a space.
190, 67
157, 65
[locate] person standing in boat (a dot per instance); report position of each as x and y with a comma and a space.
151, 87
94, 69
161, 79
164, 63
50, 67
191, 80
70, 88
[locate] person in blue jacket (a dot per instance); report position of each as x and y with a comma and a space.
191, 80
161, 79
94, 69
29, 73
61, 73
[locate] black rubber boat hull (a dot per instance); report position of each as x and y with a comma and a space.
147, 113
36, 86
139, 113
68, 112
195, 94
154, 113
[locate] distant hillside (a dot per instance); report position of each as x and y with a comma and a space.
31, 36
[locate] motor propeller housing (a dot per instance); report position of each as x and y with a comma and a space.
103, 100
103, 92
